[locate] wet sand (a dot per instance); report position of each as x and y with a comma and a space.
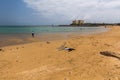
43, 60
15, 39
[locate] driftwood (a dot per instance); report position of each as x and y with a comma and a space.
110, 54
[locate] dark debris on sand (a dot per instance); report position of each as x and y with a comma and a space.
110, 54
1, 50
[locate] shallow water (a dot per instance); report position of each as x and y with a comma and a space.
49, 29
11, 35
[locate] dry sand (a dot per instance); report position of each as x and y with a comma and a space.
43, 60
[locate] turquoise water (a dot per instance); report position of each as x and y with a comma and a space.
49, 29
9, 34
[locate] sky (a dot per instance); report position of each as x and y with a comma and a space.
47, 12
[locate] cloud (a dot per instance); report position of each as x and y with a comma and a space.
91, 10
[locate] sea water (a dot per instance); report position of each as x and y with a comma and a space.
49, 29
12, 35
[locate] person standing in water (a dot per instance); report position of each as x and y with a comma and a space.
33, 34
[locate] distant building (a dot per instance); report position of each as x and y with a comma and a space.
77, 22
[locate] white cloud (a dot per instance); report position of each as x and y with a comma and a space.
104, 10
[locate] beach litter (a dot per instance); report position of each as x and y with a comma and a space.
65, 48
69, 49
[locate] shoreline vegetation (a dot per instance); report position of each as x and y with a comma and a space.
69, 25
95, 57
92, 25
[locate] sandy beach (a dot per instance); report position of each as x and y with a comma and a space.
42, 60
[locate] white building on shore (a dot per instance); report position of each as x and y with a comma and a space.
78, 22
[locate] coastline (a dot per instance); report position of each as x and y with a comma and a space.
43, 60
8, 39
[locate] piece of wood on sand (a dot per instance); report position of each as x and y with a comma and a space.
110, 54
